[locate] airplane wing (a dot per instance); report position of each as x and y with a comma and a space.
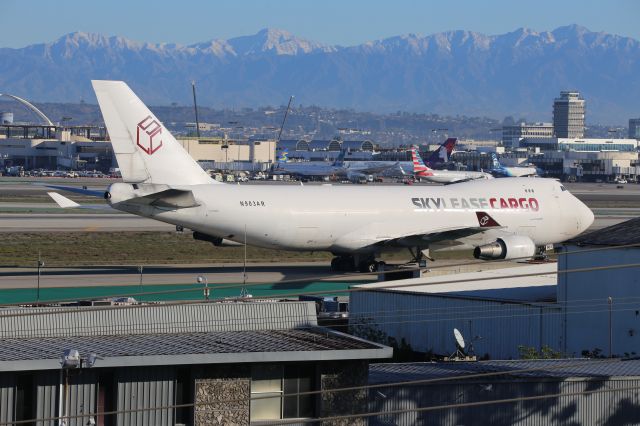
485, 223
371, 238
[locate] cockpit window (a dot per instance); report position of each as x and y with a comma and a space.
563, 188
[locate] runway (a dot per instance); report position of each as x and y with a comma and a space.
171, 282
179, 282
70, 222
26, 208
610, 205
165, 274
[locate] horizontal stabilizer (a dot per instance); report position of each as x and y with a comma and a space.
63, 201
169, 198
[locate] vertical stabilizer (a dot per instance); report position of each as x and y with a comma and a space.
145, 150
416, 159
340, 159
443, 153
496, 163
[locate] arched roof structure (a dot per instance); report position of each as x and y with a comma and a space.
31, 107
365, 145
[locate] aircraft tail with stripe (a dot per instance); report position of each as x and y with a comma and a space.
443, 153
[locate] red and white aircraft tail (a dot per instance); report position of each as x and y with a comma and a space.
419, 168
146, 151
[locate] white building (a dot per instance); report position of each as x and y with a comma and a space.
512, 136
494, 312
602, 307
568, 115
580, 144
498, 311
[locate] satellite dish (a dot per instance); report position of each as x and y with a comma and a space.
459, 338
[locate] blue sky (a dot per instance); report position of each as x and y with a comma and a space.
343, 22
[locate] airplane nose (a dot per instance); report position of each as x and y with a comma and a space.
585, 217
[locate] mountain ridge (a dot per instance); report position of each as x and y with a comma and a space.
454, 72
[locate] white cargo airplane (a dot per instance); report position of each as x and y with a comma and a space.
421, 171
501, 218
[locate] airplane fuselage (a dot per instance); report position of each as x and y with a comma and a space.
350, 219
515, 171
451, 176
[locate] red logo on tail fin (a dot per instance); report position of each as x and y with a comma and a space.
148, 135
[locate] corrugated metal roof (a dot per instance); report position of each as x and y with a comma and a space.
491, 284
556, 368
155, 319
616, 235
186, 348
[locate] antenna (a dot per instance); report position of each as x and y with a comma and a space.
284, 119
459, 339
195, 107
460, 354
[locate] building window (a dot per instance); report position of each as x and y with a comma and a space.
275, 381
266, 381
298, 379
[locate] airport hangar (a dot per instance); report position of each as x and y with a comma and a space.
498, 310
219, 356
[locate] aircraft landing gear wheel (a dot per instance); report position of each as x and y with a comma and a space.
342, 264
368, 266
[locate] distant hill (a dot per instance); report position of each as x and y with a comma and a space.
456, 72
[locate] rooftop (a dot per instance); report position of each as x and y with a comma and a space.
552, 368
624, 233
504, 284
304, 344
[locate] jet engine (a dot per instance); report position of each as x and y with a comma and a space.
509, 247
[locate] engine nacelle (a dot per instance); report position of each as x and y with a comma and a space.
216, 241
509, 247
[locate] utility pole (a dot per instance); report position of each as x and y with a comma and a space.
610, 300
140, 269
195, 107
40, 265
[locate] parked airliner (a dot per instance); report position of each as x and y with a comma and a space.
352, 170
500, 218
421, 171
499, 170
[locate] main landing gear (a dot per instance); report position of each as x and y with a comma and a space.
420, 256
350, 263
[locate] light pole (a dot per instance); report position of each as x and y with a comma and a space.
202, 279
140, 269
226, 153
40, 265
610, 300
71, 360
